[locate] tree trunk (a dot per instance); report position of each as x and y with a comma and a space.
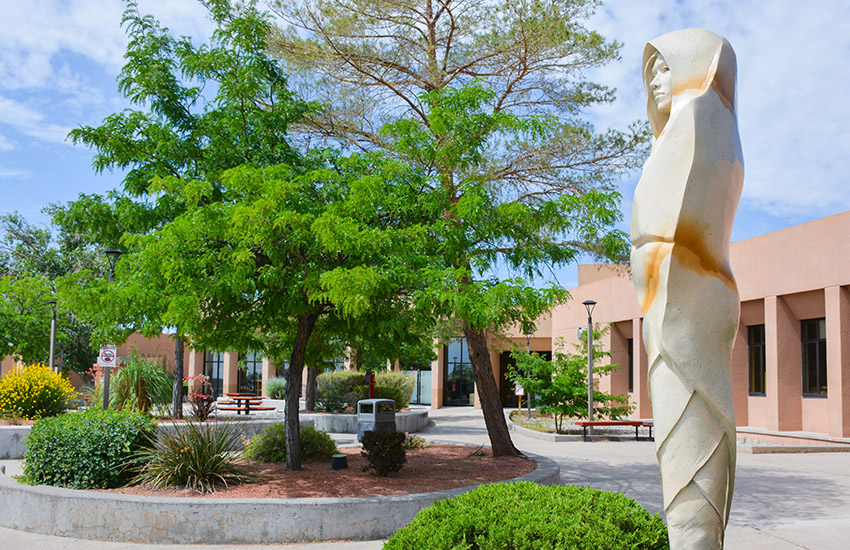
488, 393
177, 388
310, 395
306, 322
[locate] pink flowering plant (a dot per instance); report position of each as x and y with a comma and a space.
203, 401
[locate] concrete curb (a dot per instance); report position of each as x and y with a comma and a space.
173, 520
788, 449
560, 438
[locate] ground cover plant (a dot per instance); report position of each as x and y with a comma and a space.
34, 391
527, 516
196, 456
85, 450
270, 444
384, 451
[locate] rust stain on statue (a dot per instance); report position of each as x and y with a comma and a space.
654, 259
692, 252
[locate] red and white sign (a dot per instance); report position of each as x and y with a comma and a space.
108, 356
518, 390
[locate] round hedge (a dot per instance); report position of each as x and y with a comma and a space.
527, 516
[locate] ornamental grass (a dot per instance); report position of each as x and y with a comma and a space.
200, 457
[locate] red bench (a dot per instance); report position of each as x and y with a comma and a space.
585, 424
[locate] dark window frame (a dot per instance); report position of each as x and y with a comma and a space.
814, 371
630, 350
756, 348
463, 364
214, 360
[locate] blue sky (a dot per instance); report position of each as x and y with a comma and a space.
59, 59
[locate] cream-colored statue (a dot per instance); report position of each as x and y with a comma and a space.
681, 224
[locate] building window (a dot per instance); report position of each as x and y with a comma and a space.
813, 337
459, 383
630, 345
214, 369
756, 357
250, 377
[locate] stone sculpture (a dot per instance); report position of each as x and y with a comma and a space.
681, 224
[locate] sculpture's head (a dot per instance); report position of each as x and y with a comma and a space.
683, 65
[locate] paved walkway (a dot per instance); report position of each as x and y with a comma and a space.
782, 501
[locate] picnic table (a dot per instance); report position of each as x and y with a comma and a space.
243, 403
636, 423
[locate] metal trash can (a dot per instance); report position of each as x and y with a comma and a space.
376, 415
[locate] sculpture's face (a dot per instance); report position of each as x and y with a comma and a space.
662, 85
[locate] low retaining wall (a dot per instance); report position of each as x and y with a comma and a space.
12, 438
408, 421
12, 444
173, 520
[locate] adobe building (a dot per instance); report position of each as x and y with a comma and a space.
791, 360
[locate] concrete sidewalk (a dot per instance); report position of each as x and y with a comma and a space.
782, 501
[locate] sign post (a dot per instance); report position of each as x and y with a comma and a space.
519, 391
107, 358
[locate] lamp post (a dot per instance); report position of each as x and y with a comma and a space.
589, 305
52, 335
113, 254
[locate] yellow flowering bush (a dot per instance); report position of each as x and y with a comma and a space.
34, 391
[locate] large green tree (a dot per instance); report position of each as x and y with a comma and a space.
197, 110
31, 258
285, 249
486, 98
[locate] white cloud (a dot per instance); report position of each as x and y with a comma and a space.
11, 173
30, 122
6, 144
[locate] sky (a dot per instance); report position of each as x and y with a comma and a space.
59, 60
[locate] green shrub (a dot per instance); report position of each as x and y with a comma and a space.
197, 456
85, 450
384, 451
316, 444
404, 382
34, 391
276, 388
527, 516
336, 390
270, 444
381, 392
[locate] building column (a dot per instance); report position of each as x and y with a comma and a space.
269, 372
741, 377
230, 380
617, 383
783, 371
838, 359
640, 395
195, 368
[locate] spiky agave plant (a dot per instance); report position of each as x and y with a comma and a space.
201, 457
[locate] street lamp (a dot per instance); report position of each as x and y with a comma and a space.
589, 305
113, 254
52, 335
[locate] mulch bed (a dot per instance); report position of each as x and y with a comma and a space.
435, 468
